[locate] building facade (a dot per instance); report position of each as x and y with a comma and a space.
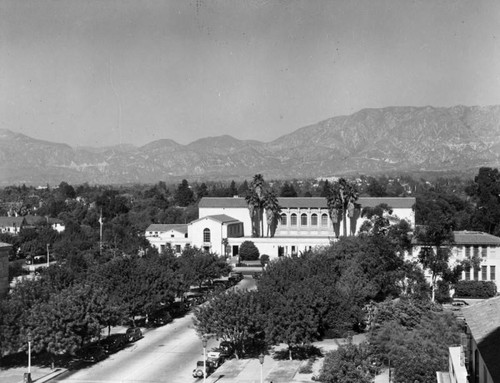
224, 224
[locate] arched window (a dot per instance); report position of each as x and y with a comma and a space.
283, 219
293, 219
206, 235
324, 219
303, 219
314, 219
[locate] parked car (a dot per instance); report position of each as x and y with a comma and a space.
92, 353
457, 304
198, 371
114, 343
133, 334
160, 317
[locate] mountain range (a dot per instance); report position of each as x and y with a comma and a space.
371, 141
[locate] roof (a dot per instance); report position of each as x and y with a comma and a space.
222, 218
306, 202
33, 219
164, 227
11, 221
483, 319
3, 244
475, 238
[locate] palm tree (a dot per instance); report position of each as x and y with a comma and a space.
341, 200
255, 200
273, 212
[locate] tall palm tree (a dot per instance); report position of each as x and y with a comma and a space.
255, 199
273, 212
340, 200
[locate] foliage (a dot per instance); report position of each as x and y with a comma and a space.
183, 195
197, 266
340, 199
349, 363
248, 251
234, 316
475, 289
414, 336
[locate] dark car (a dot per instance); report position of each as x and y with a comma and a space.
160, 317
458, 304
209, 368
133, 334
114, 343
92, 354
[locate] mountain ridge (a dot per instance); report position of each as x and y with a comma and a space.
372, 140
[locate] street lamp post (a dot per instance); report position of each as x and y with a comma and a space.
204, 343
261, 360
27, 376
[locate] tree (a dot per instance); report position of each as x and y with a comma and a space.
435, 240
340, 200
273, 212
248, 251
287, 190
233, 316
183, 196
255, 201
349, 363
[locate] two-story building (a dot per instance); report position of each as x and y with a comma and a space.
469, 244
12, 225
304, 224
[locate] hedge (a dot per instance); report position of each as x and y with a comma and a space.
475, 289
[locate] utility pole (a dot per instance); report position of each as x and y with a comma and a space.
48, 255
100, 234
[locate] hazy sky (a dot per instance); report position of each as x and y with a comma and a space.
105, 72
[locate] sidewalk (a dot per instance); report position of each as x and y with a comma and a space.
38, 374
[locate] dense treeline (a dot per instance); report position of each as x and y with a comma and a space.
68, 304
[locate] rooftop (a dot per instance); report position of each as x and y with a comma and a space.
222, 218
475, 238
306, 202
483, 319
164, 227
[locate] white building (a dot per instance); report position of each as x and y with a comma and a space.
468, 244
225, 223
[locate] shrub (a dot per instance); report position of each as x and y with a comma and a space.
475, 289
249, 252
264, 259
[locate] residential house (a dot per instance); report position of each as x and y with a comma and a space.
12, 225
483, 329
304, 224
56, 224
164, 236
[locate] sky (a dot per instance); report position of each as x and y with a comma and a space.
105, 72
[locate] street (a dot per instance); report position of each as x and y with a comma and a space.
166, 354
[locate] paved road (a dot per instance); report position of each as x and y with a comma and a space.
167, 354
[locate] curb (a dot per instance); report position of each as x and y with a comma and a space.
52, 375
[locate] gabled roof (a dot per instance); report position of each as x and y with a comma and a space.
34, 219
11, 221
306, 202
475, 238
221, 218
483, 319
164, 227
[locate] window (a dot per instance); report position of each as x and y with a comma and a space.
177, 248
484, 251
467, 274
293, 219
172, 235
314, 220
493, 277
484, 273
283, 219
467, 251
476, 251
206, 235
303, 219
324, 219
476, 273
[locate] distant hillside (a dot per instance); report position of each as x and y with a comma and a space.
393, 139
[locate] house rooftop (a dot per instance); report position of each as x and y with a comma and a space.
306, 202
483, 320
164, 227
222, 218
11, 221
475, 238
